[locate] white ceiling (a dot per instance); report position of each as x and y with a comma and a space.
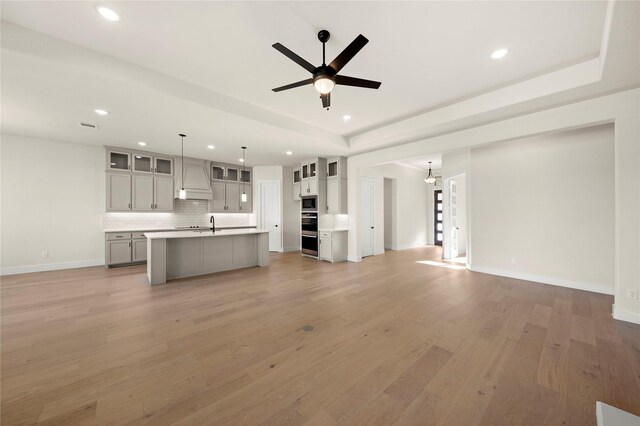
425, 53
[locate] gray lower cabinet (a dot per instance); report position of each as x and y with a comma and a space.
118, 192
142, 193
332, 246
125, 247
139, 250
118, 252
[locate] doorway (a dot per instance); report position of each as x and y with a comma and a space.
389, 213
455, 231
438, 219
270, 212
367, 217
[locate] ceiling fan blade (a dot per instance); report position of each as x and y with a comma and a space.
357, 82
326, 100
348, 53
293, 85
295, 58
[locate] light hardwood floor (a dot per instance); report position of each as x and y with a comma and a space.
393, 342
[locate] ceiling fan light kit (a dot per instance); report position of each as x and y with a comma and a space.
325, 77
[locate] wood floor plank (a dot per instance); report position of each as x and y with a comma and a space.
392, 341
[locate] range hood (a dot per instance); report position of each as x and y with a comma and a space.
197, 183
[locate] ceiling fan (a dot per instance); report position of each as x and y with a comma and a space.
325, 77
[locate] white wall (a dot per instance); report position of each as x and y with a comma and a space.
547, 203
410, 218
53, 199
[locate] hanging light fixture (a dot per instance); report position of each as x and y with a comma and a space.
243, 198
430, 177
183, 194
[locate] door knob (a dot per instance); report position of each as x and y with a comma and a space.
276, 226
372, 227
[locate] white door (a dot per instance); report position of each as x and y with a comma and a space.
270, 214
366, 217
453, 218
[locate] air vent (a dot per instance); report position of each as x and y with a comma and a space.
92, 126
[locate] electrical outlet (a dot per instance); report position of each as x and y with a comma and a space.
514, 261
45, 254
632, 294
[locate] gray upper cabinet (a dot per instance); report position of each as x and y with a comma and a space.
232, 197
227, 183
118, 192
142, 193
337, 185
313, 177
232, 175
297, 184
163, 166
163, 194
142, 163
138, 181
218, 204
118, 160
217, 171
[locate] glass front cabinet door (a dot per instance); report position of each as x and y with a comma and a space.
163, 166
142, 163
119, 161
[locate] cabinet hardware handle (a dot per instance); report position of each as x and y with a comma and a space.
129, 205
129, 167
151, 205
129, 243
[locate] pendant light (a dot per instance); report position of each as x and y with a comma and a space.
430, 177
183, 194
243, 198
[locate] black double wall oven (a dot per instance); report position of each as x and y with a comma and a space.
309, 231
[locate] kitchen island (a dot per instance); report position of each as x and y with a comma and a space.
180, 254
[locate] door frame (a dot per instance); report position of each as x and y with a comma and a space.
373, 214
446, 248
277, 183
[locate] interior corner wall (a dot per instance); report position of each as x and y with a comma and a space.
52, 200
290, 213
542, 208
410, 205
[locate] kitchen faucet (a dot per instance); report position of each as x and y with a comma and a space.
213, 224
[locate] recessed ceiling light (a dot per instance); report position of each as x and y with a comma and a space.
101, 111
289, 153
138, 156
210, 146
142, 143
346, 117
241, 160
500, 53
108, 14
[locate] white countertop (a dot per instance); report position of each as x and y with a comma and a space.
203, 234
333, 229
173, 228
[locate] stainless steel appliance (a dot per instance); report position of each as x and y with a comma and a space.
310, 243
309, 204
309, 233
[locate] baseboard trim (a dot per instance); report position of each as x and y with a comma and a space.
560, 282
14, 270
406, 246
354, 258
626, 316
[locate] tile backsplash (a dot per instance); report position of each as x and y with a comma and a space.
186, 213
